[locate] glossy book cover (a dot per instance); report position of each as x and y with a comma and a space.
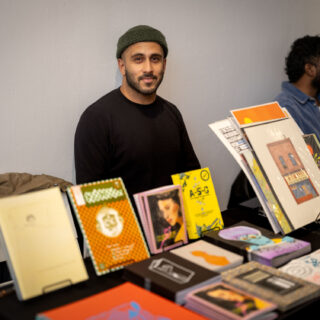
109, 224
201, 203
161, 212
271, 284
126, 302
208, 255
223, 301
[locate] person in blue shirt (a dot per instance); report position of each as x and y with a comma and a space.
301, 94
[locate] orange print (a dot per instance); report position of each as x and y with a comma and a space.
215, 260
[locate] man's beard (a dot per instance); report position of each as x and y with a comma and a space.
135, 85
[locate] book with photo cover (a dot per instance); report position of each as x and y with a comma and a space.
289, 167
109, 224
209, 256
161, 211
201, 205
259, 244
42, 252
169, 275
223, 301
306, 267
126, 301
271, 284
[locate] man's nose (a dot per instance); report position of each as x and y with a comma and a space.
147, 66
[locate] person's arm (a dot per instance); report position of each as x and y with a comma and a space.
188, 158
91, 149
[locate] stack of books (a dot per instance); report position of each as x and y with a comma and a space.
170, 276
259, 244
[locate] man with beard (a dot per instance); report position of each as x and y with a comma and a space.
131, 132
301, 94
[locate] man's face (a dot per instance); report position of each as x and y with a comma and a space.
142, 66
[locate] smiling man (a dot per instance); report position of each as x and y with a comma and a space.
131, 132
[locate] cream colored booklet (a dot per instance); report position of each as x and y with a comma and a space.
42, 252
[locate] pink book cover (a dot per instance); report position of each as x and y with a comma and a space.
165, 218
228, 302
138, 198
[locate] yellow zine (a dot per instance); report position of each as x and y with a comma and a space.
201, 205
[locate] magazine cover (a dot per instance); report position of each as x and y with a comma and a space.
223, 301
200, 201
126, 301
42, 252
108, 224
162, 215
258, 114
271, 284
209, 256
289, 167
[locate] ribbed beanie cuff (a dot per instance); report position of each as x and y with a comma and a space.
141, 33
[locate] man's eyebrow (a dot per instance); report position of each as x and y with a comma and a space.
157, 55
142, 54
137, 54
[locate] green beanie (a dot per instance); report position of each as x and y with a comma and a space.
141, 33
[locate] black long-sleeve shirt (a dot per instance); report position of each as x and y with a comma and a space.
143, 144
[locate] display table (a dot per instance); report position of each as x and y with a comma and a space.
11, 308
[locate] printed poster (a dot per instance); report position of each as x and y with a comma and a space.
290, 169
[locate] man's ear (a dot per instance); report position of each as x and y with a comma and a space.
164, 64
310, 70
121, 66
